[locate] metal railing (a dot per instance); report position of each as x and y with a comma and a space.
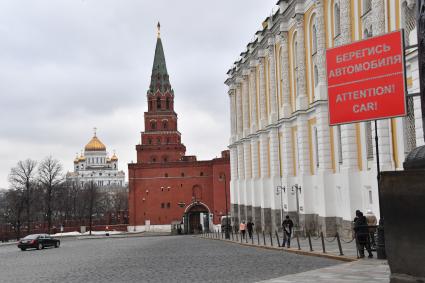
363, 238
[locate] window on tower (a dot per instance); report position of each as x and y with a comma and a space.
158, 103
153, 125
158, 140
149, 141
164, 125
167, 103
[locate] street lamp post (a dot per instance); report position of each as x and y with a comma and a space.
297, 189
280, 190
226, 230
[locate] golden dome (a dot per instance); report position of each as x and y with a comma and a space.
95, 145
114, 157
76, 159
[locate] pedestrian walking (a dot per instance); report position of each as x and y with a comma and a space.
242, 228
362, 234
287, 225
371, 221
250, 227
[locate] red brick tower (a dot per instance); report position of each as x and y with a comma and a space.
166, 188
161, 142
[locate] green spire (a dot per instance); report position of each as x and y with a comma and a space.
159, 79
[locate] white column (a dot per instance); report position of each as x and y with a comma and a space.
263, 112
274, 104
234, 194
287, 161
323, 136
255, 192
302, 99
348, 132
245, 103
253, 95
247, 173
263, 155
274, 153
286, 99
239, 115
321, 49
247, 159
378, 27
241, 169
303, 146
232, 97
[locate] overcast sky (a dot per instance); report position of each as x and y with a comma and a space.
67, 66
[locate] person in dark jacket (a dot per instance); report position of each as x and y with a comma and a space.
250, 227
362, 234
287, 225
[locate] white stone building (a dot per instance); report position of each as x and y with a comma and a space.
280, 134
96, 166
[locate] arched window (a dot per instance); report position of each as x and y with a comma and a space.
316, 76
158, 103
164, 125
337, 18
167, 103
314, 34
150, 105
149, 141
153, 125
158, 140
367, 6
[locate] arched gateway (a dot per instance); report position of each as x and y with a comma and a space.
196, 218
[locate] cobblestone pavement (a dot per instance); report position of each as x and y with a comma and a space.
151, 259
370, 271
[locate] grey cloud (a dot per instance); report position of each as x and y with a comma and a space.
69, 65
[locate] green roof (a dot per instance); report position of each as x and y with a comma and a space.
159, 79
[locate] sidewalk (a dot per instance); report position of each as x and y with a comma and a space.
331, 244
361, 271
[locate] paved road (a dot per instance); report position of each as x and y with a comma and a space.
151, 259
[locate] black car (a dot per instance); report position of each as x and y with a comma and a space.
38, 241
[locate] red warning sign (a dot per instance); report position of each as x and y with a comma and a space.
366, 80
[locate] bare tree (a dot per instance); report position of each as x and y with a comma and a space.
50, 177
14, 206
92, 196
22, 177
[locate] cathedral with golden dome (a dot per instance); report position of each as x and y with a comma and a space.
94, 165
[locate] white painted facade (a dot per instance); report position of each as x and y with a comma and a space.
280, 134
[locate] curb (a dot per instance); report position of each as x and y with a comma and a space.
117, 236
290, 250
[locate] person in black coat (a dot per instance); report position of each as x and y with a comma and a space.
250, 227
287, 225
362, 234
